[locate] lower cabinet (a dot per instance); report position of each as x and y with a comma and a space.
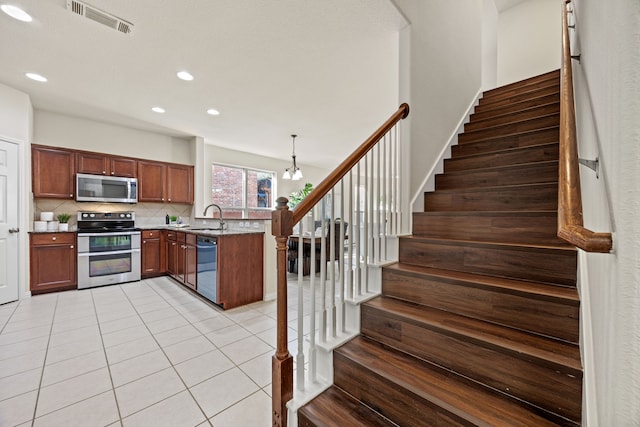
153, 253
239, 271
181, 257
53, 259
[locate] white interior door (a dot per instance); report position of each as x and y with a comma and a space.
8, 222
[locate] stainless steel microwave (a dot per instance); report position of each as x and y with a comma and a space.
99, 188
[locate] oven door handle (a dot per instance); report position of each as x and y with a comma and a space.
115, 233
128, 251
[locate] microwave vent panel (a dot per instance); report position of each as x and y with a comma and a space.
99, 16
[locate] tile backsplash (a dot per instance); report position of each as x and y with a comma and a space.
147, 214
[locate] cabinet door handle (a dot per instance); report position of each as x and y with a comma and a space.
113, 173
144, 241
71, 195
54, 238
71, 247
14, 230
104, 172
169, 199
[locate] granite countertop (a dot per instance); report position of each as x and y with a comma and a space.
202, 230
195, 230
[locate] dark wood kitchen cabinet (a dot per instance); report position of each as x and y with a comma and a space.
172, 254
52, 172
153, 253
151, 181
182, 257
53, 262
104, 164
240, 269
180, 184
165, 182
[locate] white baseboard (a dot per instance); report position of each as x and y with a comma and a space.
589, 395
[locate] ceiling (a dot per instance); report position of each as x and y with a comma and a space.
326, 70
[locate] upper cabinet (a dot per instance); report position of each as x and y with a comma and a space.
165, 182
52, 172
103, 164
152, 181
180, 184
54, 169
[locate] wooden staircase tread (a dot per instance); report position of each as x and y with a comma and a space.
506, 92
468, 400
566, 295
506, 125
546, 351
514, 111
499, 167
481, 243
493, 188
335, 407
516, 134
518, 106
490, 213
512, 98
551, 75
504, 151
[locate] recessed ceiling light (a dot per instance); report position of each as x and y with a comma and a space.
158, 109
16, 12
36, 77
185, 75
213, 112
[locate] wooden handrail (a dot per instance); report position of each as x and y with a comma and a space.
338, 173
570, 224
282, 222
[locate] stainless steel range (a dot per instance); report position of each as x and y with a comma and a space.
108, 248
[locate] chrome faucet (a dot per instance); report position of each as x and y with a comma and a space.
219, 210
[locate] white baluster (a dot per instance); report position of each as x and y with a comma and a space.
332, 257
341, 261
350, 282
323, 275
358, 236
300, 355
312, 286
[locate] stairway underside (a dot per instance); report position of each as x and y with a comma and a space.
478, 322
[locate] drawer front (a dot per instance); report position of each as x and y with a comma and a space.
171, 235
180, 236
191, 239
150, 234
53, 239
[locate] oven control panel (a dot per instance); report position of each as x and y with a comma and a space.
106, 216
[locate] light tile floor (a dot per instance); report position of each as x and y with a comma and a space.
148, 353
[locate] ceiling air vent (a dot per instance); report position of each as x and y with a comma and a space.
99, 16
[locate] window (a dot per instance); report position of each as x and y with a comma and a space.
242, 192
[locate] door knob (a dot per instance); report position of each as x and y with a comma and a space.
14, 230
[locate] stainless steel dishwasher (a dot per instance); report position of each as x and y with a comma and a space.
207, 268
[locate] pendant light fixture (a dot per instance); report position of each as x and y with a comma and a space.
294, 171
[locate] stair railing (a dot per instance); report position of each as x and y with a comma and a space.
570, 223
366, 187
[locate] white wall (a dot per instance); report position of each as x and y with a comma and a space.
16, 124
529, 40
444, 59
82, 134
489, 44
607, 83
